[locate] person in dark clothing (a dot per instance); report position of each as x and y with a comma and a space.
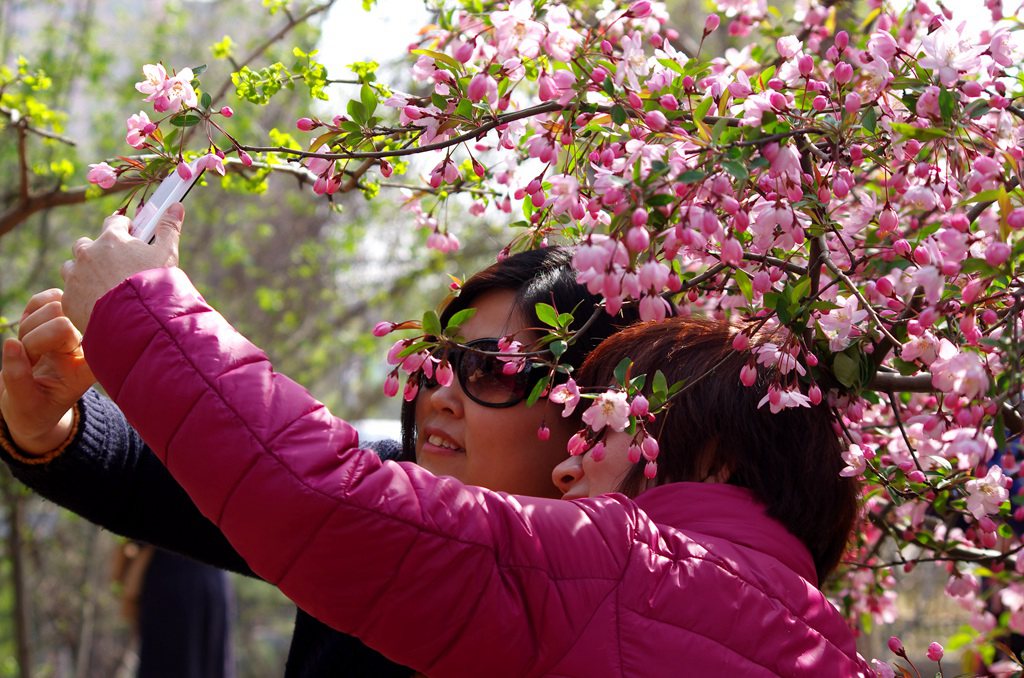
131, 493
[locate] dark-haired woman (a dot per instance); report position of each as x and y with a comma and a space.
695, 576
484, 435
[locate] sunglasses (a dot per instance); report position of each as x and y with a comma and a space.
481, 374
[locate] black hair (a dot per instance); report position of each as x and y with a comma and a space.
544, 275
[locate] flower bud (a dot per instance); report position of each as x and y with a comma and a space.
227, 111
711, 23
935, 652
843, 73
896, 646
306, 124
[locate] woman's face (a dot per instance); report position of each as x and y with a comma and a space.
496, 448
582, 476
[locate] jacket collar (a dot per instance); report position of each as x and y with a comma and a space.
727, 512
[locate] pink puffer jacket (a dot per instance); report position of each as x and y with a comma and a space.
453, 580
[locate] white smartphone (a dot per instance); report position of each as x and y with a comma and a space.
171, 190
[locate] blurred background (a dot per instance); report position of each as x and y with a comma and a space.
304, 278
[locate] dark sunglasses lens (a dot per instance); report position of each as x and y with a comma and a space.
484, 379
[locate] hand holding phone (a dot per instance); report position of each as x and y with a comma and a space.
171, 190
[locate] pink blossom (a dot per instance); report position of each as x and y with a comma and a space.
543, 433
789, 46
610, 409
102, 174
949, 53
483, 86
139, 126
882, 45
935, 652
986, 495
634, 64
856, 463
653, 307
841, 323
211, 161
156, 77
562, 40
178, 91
779, 399
567, 394
962, 373
517, 32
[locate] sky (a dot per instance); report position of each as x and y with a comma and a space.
352, 34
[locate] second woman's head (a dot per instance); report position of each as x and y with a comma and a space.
480, 429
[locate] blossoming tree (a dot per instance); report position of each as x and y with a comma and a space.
846, 185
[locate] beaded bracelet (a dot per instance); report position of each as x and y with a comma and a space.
7, 443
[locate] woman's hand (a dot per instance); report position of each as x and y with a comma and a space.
43, 375
100, 265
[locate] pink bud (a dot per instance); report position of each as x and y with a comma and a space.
637, 239
711, 23
852, 103
896, 645
916, 476
227, 111
805, 64
597, 452
819, 103
639, 406
1015, 219
598, 75
748, 375
935, 652
634, 454
650, 449
778, 101
477, 89
639, 217
606, 47
888, 220
842, 40
651, 470
383, 328
901, 247
184, 171
921, 256
640, 9
740, 342
971, 88
245, 158
814, 394
543, 433
843, 73
656, 120
635, 101
391, 385
997, 253
306, 124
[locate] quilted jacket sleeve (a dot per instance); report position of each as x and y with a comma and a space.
425, 569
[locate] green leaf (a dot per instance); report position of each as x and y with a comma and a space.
431, 323
869, 120
661, 199
622, 370
368, 98
356, 111
743, 282
464, 109
659, 385
205, 101
736, 168
846, 369
919, 133
185, 120
564, 320
618, 114
456, 321
947, 105
558, 347
720, 126
440, 56
538, 388
547, 314
691, 176
703, 108
198, 70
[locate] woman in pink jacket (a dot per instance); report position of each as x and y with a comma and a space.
694, 575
